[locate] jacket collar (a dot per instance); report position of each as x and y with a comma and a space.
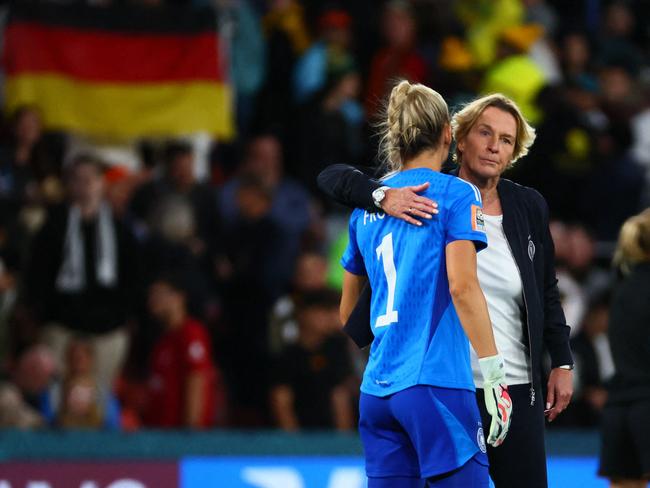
511, 211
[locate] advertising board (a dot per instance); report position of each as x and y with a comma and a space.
89, 475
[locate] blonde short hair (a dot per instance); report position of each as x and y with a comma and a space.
414, 120
463, 121
633, 242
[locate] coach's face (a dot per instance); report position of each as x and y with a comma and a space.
489, 145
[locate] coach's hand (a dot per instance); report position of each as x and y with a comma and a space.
497, 398
405, 203
560, 391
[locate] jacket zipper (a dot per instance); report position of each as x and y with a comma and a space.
530, 345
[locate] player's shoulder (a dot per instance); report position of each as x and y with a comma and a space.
438, 182
459, 188
356, 215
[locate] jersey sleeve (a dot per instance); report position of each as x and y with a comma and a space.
352, 259
196, 349
465, 220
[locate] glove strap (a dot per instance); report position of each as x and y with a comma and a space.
493, 369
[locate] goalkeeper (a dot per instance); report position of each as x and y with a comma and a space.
516, 273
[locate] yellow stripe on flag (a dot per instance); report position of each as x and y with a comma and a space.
126, 110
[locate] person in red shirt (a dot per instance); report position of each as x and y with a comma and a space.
182, 387
399, 58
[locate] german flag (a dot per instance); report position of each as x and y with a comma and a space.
119, 72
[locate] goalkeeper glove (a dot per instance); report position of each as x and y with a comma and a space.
497, 399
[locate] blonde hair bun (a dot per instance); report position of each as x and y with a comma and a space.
415, 117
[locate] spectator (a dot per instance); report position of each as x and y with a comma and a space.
310, 74
594, 365
641, 129
311, 388
26, 166
310, 274
616, 177
484, 21
264, 160
576, 58
540, 12
260, 251
248, 50
514, 73
121, 184
169, 245
572, 295
581, 263
82, 275
183, 383
562, 160
8, 294
399, 58
260, 257
286, 40
182, 230
285, 23
179, 184
330, 126
619, 96
616, 44
640, 125
78, 401
21, 397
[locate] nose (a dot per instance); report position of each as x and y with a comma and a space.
493, 144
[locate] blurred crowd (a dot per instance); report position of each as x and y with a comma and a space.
161, 295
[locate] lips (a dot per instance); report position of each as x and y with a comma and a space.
489, 161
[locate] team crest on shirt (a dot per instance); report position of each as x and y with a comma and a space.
480, 439
478, 222
196, 351
531, 248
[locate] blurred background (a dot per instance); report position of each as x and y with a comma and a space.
167, 262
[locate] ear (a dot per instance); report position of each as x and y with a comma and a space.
447, 135
460, 145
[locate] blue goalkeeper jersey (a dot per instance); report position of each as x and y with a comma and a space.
418, 336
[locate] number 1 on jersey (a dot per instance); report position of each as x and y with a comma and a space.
385, 253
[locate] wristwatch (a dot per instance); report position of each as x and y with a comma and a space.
568, 367
378, 195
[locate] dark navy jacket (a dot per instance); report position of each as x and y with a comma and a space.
525, 224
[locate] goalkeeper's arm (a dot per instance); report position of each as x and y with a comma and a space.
472, 311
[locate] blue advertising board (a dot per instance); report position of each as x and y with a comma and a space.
336, 472
273, 472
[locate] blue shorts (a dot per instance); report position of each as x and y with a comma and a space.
421, 432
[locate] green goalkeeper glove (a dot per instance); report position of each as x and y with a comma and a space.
497, 399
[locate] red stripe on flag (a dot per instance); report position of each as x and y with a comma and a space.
104, 56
